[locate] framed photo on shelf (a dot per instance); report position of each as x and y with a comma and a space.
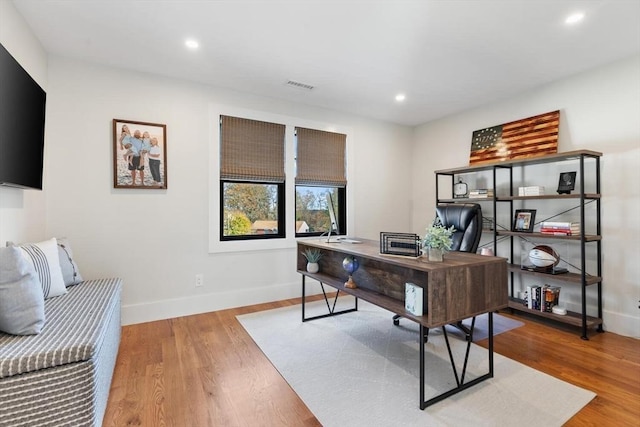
139, 155
567, 182
523, 220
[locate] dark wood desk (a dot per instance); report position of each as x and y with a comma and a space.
463, 286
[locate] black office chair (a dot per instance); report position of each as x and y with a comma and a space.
466, 218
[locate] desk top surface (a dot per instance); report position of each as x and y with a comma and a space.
371, 249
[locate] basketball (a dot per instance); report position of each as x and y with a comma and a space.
543, 256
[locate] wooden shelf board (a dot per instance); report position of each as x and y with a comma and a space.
568, 155
393, 305
565, 277
570, 318
587, 238
467, 200
549, 197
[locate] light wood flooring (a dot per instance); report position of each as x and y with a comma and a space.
204, 370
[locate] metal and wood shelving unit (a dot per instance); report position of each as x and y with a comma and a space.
502, 173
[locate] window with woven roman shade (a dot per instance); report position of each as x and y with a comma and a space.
252, 179
320, 180
320, 158
251, 150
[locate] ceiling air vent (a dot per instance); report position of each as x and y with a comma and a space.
299, 85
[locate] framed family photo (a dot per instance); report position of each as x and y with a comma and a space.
139, 155
524, 220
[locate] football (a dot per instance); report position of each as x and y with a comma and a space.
543, 256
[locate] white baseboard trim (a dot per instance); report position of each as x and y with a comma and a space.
195, 304
621, 324
617, 323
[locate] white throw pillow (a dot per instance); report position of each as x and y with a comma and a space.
70, 272
44, 258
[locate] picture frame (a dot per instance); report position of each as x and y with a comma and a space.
566, 182
523, 220
139, 155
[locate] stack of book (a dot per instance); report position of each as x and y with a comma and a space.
542, 298
481, 193
560, 228
531, 191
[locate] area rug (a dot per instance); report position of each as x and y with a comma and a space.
358, 369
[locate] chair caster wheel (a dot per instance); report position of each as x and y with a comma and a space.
396, 322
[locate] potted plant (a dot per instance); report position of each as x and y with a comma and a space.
313, 256
437, 241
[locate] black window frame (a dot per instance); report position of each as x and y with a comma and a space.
281, 234
341, 213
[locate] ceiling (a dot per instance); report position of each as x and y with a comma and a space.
446, 56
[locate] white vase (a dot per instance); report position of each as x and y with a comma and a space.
435, 255
313, 267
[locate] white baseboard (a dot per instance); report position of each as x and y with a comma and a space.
621, 324
195, 304
617, 323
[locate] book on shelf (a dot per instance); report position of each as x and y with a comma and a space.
481, 193
413, 297
560, 228
533, 296
559, 232
559, 224
533, 190
542, 298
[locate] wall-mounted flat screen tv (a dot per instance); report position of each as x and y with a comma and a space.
22, 113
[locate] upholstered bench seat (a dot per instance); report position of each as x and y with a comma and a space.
62, 376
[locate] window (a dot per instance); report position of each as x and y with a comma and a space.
312, 210
252, 179
320, 171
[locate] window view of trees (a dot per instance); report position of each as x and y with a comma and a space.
312, 214
250, 208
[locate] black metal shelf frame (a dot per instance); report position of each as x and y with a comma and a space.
582, 197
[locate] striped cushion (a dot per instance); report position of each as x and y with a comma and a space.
45, 259
75, 329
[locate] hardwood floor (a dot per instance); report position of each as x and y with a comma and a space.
204, 370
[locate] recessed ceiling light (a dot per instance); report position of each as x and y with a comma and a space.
191, 43
574, 18
400, 97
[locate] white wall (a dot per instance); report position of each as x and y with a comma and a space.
157, 240
22, 212
600, 111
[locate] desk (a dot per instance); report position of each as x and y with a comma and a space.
463, 286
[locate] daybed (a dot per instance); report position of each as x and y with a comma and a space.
61, 376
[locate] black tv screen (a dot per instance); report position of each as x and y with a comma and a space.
22, 111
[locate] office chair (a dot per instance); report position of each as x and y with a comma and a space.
466, 218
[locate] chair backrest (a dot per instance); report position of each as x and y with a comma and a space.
466, 218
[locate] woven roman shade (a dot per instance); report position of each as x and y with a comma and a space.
251, 150
320, 158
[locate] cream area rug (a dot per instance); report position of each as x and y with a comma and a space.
358, 369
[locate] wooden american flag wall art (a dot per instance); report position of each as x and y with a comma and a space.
531, 137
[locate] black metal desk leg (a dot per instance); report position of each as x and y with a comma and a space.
331, 309
423, 404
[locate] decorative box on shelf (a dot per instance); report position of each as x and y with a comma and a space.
400, 244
